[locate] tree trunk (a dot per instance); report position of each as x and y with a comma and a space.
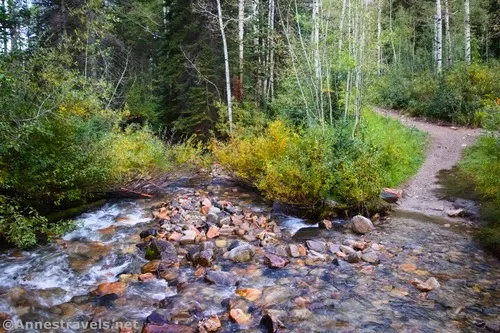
257, 50
226, 68
269, 82
468, 58
439, 38
395, 58
241, 34
4, 36
379, 41
317, 61
341, 28
13, 26
449, 56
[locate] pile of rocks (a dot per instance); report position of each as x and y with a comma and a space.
205, 233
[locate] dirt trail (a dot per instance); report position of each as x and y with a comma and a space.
445, 150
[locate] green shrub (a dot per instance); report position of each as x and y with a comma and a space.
482, 163
306, 165
23, 226
465, 95
59, 149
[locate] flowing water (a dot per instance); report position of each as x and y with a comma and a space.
54, 282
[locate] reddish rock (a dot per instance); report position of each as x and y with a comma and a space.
200, 271
361, 245
274, 261
204, 210
206, 202
302, 250
146, 277
301, 302
325, 224
107, 288
151, 267
391, 195
175, 237
161, 213
188, 237
240, 317
340, 254
250, 294
211, 324
213, 232
108, 231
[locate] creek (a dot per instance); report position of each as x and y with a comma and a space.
324, 294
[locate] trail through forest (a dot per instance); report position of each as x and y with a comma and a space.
446, 145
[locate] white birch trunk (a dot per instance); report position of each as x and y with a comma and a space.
257, 50
439, 36
468, 58
379, 41
241, 34
341, 28
272, 10
395, 60
315, 38
317, 61
449, 56
226, 68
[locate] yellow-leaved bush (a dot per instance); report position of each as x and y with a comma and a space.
303, 166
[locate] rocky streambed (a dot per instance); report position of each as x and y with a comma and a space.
213, 257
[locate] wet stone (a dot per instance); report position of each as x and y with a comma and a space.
347, 249
353, 258
148, 232
325, 224
117, 288
221, 243
293, 251
240, 317
206, 257
161, 249
317, 246
226, 230
274, 261
251, 294
167, 328
213, 232
361, 224
213, 218
333, 248
188, 237
210, 324
226, 220
241, 253
281, 251
221, 278
107, 301
370, 257
314, 258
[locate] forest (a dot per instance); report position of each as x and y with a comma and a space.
250, 165
96, 94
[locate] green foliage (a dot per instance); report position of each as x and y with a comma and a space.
482, 163
305, 165
462, 95
22, 226
60, 149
